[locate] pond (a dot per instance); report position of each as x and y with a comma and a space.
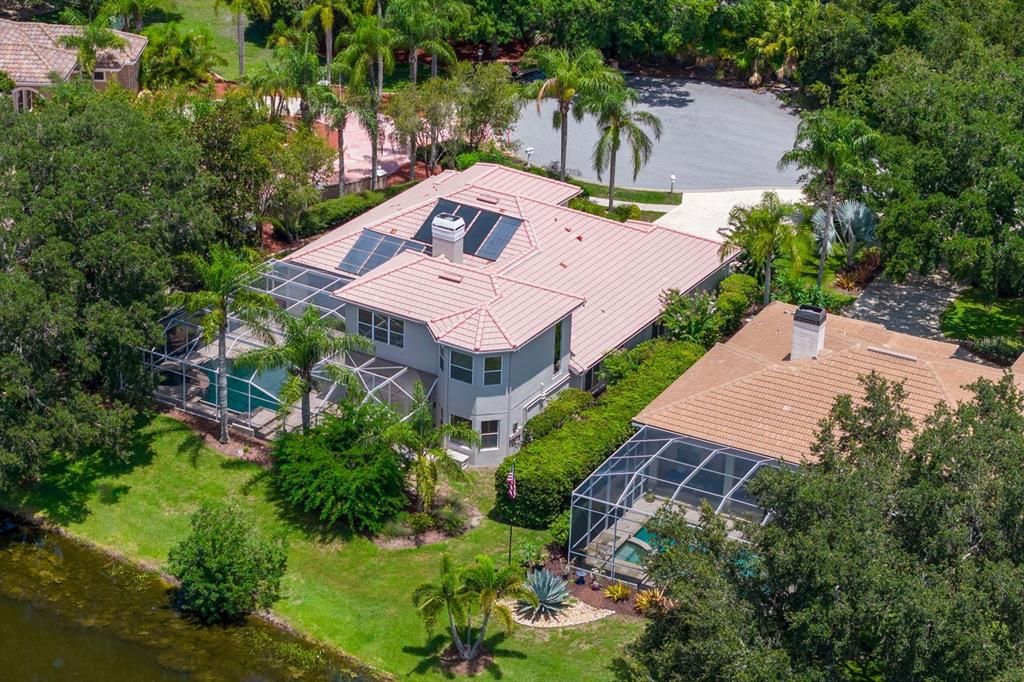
68, 612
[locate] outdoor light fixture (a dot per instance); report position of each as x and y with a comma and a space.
672, 183
529, 153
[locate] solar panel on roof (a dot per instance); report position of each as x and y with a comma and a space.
373, 249
499, 238
424, 233
479, 226
476, 235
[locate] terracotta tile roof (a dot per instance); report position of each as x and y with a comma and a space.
462, 306
619, 269
746, 393
30, 53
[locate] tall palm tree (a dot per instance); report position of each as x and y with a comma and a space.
570, 78
424, 441
334, 108
94, 35
777, 47
307, 340
222, 294
424, 25
764, 231
616, 118
327, 13
444, 596
271, 84
238, 9
831, 147
443, 20
135, 11
176, 57
302, 66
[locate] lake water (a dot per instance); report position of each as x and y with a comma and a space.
70, 613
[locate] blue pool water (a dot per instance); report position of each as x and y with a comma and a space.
631, 552
266, 386
647, 536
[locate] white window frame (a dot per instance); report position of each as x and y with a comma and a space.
485, 436
455, 367
383, 328
492, 376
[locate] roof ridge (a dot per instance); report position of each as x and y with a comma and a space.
499, 166
532, 285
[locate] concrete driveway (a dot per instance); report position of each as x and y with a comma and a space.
912, 307
715, 137
705, 213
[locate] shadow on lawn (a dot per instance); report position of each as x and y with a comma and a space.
433, 649
70, 481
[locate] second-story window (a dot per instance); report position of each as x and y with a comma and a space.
492, 370
558, 347
389, 330
461, 367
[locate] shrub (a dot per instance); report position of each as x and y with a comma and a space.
618, 592
1002, 350
421, 522
548, 594
337, 474
738, 283
624, 212
531, 554
450, 520
333, 212
794, 290
650, 602
467, 159
582, 203
550, 467
690, 317
227, 568
566, 405
731, 306
619, 364
558, 531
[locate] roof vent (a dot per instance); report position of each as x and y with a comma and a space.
808, 332
447, 232
579, 237
892, 353
487, 199
450, 277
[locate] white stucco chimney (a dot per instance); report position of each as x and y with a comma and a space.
808, 332
447, 232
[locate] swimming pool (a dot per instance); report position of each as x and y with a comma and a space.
243, 396
631, 552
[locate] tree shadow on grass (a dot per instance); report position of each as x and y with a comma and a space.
70, 481
432, 651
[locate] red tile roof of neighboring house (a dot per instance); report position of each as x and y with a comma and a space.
463, 306
747, 394
30, 53
618, 269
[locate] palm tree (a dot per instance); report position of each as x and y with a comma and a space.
302, 68
94, 35
444, 17
135, 11
616, 118
571, 78
483, 586
326, 13
222, 294
831, 147
777, 48
334, 108
424, 25
271, 83
764, 231
174, 57
424, 441
308, 340
238, 9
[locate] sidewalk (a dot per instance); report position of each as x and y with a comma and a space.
705, 213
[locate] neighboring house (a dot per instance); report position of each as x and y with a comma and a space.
31, 55
486, 280
753, 401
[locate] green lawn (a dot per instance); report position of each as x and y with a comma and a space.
632, 196
343, 590
197, 14
972, 316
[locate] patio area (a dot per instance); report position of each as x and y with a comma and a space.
611, 508
185, 365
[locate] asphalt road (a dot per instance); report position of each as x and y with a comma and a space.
715, 137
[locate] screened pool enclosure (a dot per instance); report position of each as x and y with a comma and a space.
611, 508
185, 364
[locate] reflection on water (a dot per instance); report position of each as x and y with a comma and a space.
69, 613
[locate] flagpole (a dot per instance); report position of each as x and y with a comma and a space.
512, 473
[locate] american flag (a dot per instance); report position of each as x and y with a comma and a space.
511, 479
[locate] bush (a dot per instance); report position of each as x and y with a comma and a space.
451, 519
227, 568
549, 468
421, 522
690, 317
731, 306
336, 474
624, 212
618, 592
467, 159
738, 283
333, 212
558, 531
796, 291
564, 407
1002, 350
619, 364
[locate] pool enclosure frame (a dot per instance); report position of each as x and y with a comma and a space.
182, 363
652, 469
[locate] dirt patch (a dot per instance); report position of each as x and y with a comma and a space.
241, 446
453, 665
431, 537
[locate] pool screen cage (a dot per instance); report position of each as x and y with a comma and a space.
611, 508
185, 364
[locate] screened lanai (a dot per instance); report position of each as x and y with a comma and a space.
185, 364
611, 508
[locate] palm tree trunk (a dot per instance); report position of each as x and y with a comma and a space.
433, 65
433, 152
564, 111
412, 158
460, 648
240, 38
329, 34
373, 151
222, 382
823, 256
341, 158
768, 281
306, 412
611, 180
414, 64
478, 645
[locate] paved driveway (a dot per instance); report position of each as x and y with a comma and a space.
715, 137
913, 307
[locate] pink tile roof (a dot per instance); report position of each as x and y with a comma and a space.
30, 53
463, 306
619, 269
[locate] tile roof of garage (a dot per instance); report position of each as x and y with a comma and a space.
30, 53
618, 269
746, 393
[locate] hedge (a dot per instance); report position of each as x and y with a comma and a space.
567, 405
329, 214
549, 468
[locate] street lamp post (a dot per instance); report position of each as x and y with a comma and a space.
529, 152
672, 183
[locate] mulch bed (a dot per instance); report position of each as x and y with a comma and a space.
241, 446
590, 596
453, 665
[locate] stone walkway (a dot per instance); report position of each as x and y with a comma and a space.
913, 307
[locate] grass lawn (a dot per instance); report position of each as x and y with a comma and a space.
631, 196
343, 590
971, 315
198, 14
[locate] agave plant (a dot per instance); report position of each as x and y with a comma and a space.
548, 595
854, 225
